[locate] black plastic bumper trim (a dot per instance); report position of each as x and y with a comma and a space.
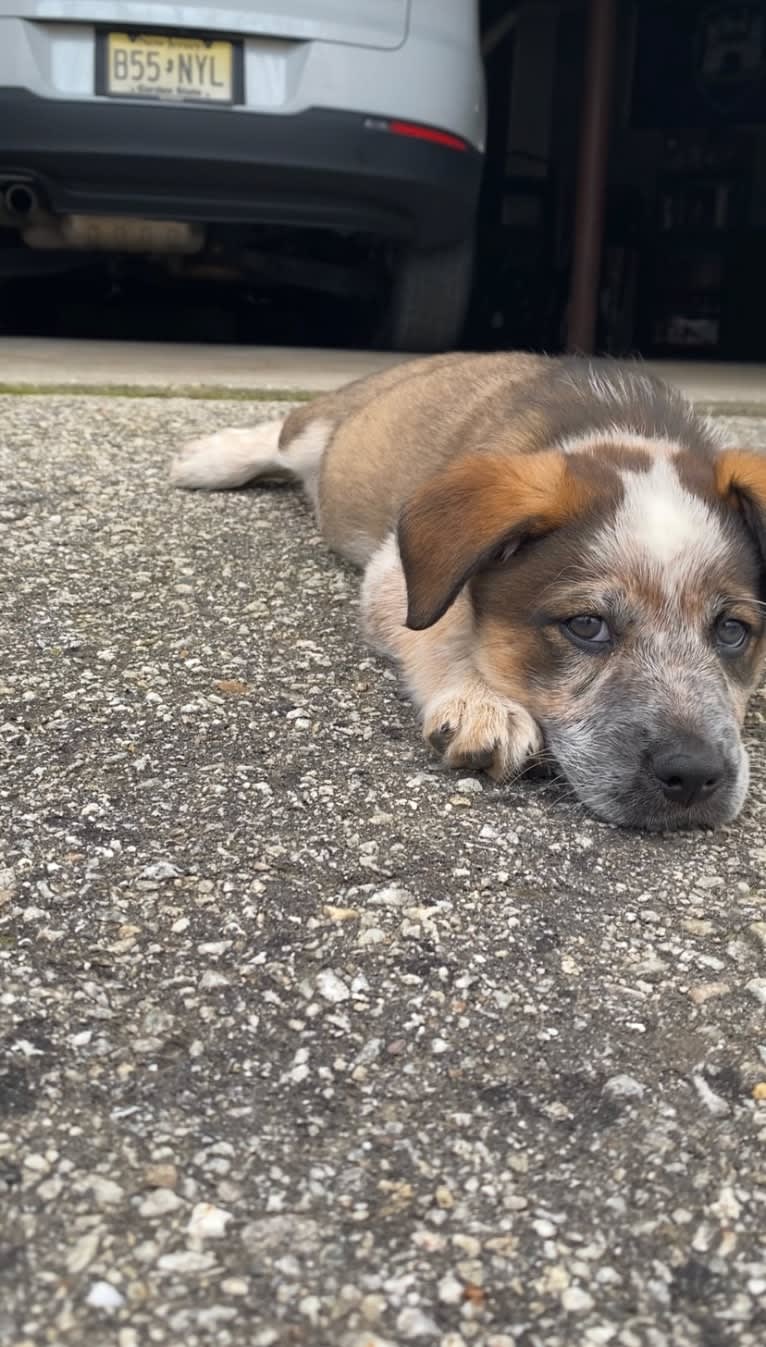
313, 169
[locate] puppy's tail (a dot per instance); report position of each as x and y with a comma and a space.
230, 458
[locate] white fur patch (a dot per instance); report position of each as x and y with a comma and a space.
303, 455
383, 598
662, 525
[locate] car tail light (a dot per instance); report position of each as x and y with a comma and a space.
416, 131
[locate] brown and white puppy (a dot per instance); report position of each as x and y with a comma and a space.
557, 553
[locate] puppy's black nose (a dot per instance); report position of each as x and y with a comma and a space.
688, 771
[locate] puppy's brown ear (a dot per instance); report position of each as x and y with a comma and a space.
480, 509
740, 477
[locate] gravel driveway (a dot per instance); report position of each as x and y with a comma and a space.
303, 1041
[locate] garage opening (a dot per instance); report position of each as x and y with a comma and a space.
622, 210
679, 266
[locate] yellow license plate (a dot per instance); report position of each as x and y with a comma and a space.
176, 69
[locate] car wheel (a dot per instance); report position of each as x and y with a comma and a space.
430, 297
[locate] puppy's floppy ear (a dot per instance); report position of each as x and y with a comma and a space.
481, 508
740, 477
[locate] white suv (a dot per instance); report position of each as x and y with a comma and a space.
327, 143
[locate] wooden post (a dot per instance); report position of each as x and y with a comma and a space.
592, 176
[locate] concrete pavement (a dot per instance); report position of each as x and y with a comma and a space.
44, 360
303, 1042
41, 361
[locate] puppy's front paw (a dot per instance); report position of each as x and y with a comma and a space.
472, 728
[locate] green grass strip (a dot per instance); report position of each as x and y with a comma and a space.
196, 392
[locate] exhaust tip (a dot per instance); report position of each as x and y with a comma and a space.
20, 200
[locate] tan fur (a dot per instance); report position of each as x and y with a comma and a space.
739, 470
394, 430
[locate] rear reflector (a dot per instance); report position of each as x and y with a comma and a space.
415, 131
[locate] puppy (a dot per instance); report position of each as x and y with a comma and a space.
557, 553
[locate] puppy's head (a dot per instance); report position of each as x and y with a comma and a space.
618, 596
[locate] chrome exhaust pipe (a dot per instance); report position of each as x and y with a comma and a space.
20, 200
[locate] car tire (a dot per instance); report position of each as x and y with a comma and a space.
430, 297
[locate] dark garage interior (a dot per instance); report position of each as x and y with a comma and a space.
684, 221
623, 206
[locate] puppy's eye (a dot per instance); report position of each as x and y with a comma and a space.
730, 634
588, 632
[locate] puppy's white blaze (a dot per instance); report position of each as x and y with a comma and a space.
663, 517
661, 524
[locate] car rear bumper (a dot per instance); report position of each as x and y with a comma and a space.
313, 169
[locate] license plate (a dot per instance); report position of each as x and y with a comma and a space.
168, 67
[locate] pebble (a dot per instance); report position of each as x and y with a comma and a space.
727, 1207
372, 1307
713, 1102
331, 987
393, 895
160, 1203
623, 1087
208, 1221
212, 979
708, 991
450, 1290
235, 1286
696, 926
7, 884
160, 1176
471, 1271
161, 870
186, 1260
83, 1252
104, 1296
576, 1301
758, 929
413, 1323
468, 1244
757, 988
372, 936
105, 1191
